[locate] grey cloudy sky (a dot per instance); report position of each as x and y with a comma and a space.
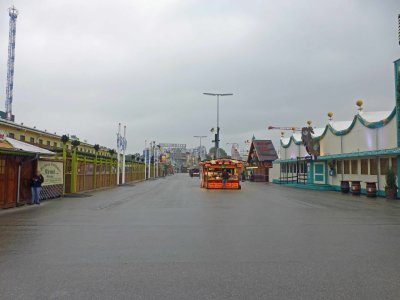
83, 66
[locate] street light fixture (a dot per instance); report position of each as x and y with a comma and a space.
216, 140
200, 137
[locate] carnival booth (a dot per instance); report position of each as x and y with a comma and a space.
18, 162
211, 173
261, 155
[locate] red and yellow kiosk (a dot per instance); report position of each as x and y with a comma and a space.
211, 173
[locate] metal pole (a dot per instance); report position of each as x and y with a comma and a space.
217, 134
217, 137
148, 172
145, 159
154, 159
123, 156
118, 150
200, 149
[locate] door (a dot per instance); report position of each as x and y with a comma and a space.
319, 172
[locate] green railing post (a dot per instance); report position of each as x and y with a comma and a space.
110, 174
73, 171
64, 164
95, 172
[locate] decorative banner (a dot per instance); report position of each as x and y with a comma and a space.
169, 146
52, 172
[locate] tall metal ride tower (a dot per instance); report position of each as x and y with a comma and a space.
13, 12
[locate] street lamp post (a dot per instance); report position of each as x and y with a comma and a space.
149, 166
200, 137
145, 159
217, 134
154, 159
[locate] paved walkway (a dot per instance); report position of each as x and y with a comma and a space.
169, 239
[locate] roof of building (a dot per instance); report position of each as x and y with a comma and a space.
34, 129
10, 144
264, 151
372, 120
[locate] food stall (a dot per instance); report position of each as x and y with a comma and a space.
211, 173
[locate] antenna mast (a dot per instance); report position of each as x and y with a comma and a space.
13, 13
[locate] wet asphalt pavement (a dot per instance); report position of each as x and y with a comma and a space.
169, 239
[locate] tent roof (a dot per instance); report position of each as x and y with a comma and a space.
11, 144
264, 149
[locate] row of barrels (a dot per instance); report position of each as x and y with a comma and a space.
356, 187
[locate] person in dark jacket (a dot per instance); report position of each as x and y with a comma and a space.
225, 177
36, 187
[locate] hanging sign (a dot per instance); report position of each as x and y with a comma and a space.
52, 172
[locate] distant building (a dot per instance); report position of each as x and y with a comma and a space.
361, 149
43, 138
261, 155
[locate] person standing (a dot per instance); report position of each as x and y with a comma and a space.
225, 177
36, 187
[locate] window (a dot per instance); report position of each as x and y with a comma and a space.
32, 140
55, 144
339, 167
11, 135
346, 166
364, 166
48, 143
40, 141
66, 147
22, 137
394, 165
384, 165
2, 166
372, 166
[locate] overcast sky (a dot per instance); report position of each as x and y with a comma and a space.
83, 66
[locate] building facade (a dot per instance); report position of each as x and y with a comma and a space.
361, 149
44, 139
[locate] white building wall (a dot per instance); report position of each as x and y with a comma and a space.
303, 152
292, 151
387, 135
330, 144
274, 172
359, 139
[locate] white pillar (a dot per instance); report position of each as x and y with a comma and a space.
154, 159
118, 150
145, 159
156, 156
123, 156
149, 160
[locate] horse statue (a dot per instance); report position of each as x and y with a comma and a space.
312, 146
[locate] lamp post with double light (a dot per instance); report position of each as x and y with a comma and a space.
216, 140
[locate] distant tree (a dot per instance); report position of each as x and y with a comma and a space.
96, 147
112, 152
64, 138
221, 152
75, 143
